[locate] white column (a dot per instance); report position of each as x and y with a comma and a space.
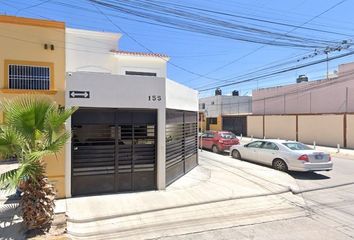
68, 162
161, 148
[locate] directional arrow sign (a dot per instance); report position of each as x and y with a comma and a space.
79, 94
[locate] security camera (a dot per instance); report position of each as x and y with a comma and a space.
70, 74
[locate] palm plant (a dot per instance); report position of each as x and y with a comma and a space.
34, 127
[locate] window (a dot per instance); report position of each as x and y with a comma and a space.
297, 146
203, 105
228, 135
151, 74
212, 120
256, 144
32, 77
270, 146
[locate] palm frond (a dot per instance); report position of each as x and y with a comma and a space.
11, 141
56, 118
9, 180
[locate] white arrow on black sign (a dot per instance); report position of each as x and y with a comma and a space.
79, 94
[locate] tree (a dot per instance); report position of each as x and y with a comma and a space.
34, 127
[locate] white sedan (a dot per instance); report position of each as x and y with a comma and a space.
283, 155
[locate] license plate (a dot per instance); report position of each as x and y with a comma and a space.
319, 157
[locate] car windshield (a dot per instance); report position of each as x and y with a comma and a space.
227, 135
296, 146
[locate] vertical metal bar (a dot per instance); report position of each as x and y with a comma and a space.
116, 155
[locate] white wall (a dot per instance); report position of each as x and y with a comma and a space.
91, 51
116, 91
180, 97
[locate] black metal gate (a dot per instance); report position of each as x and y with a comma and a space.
235, 124
113, 151
181, 143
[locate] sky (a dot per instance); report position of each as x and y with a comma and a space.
206, 55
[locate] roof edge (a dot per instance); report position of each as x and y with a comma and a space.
31, 22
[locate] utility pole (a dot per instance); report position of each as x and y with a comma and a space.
327, 64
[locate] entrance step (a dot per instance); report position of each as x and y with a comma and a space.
176, 221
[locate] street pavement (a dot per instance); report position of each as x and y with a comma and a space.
222, 198
330, 210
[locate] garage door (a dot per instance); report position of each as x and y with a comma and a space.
181, 143
235, 124
113, 151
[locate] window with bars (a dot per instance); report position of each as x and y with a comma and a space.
29, 77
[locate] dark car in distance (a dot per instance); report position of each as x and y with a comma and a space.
218, 141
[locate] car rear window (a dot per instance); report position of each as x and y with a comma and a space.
297, 146
227, 135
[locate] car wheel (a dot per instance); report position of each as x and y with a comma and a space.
215, 149
236, 154
280, 165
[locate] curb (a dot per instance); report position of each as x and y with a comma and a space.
287, 190
297, 191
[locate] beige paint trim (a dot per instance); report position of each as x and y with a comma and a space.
31, 22
8, 62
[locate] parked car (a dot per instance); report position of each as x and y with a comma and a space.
219, 141
284, 155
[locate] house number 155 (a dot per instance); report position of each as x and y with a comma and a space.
155, 98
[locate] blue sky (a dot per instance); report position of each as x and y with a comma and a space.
201, 53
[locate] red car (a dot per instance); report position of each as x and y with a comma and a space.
218, 141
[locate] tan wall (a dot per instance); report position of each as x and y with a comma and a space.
283, 127
326, 130
350, 131
24, 41
218, 126
255, 126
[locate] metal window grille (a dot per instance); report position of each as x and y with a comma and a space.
29, 77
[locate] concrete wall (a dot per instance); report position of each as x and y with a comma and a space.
181, 97
225, 105
283, 127
335, 95
350, 131
255, 126
31, 51
326, 130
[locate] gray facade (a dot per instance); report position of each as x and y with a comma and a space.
215, 106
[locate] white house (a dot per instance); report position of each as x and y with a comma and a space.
135, 129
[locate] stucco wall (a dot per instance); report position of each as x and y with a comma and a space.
26, 43
350, 131
90, 51
255, 126
326, 130
283, 127
218, 126
335, 95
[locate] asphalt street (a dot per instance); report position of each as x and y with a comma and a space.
331, 210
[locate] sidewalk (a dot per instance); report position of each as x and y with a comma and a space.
219, 192
343, 153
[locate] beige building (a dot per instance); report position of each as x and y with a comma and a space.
32, 61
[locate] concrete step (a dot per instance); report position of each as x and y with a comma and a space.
184, 220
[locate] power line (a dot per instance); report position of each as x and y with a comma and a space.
282, 71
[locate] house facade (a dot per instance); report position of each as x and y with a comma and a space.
32, 61
135, 129
225, 112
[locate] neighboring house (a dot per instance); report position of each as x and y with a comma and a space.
135, 129
335, 95
32, 61
224, 112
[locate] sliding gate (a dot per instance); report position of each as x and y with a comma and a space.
113, 151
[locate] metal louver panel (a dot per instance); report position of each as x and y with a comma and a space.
181, 143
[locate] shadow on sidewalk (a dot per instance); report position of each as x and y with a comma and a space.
308, 175
10, 225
